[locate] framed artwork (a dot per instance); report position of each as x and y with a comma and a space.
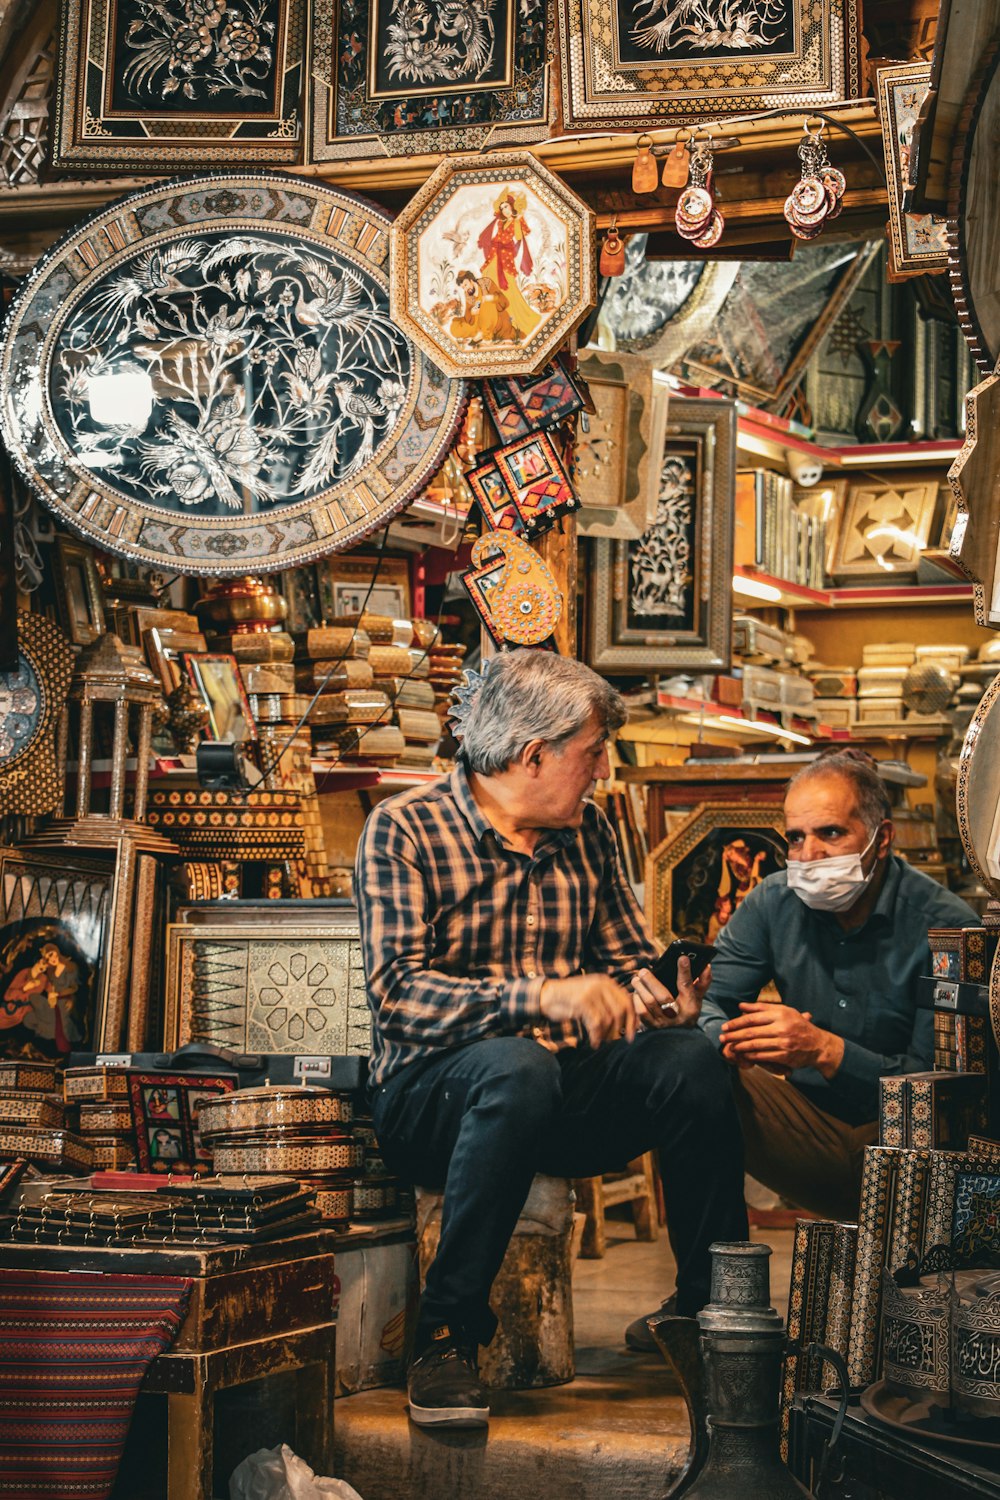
217, 680
274, 986
164, 87
165, 1118
663, 600
884, 528
641, 63
773, 318
55, 912
491, 494
523, 485
79, 596
257, 406
165, 651
619, 445
917, 242
492, 265
391, 79
697, 876
31, 700
344, 584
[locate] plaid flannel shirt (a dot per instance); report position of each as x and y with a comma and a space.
460, 932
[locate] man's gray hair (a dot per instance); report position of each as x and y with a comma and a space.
870, 795
534, 695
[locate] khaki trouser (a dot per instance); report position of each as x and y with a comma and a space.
809, 1157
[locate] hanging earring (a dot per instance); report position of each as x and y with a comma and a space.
644, 173
612, 261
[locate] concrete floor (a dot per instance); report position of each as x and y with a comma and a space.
619, 1428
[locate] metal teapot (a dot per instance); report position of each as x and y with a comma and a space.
729, 1363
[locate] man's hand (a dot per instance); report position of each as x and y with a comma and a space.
779, 1038
657, 1007
603, 1007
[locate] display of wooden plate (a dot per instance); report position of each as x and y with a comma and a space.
977, 792
204, 376
292, 1156
924, 1421
271, 1108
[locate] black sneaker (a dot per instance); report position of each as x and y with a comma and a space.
443, 1385
637, 1334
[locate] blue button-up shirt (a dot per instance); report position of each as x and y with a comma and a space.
861, 985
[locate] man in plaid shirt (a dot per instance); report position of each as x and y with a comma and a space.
517, 1027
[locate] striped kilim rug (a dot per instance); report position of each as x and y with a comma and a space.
73, 1351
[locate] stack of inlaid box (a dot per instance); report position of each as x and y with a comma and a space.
33, 1119
100, 1098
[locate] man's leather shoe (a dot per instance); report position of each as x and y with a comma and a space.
637, 1334
443, 1385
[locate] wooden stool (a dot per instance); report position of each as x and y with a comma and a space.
636, 1186
532, 1295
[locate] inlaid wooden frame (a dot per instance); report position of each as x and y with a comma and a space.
344, 580
64, 900
79, 596
702, 870
917, 242
975, 537
173, 85
663, 601
618, 451
492, 265
373, 93
639, 63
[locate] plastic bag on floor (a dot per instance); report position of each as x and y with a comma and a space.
279, 1474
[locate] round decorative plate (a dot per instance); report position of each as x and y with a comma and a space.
205, 376
924, 1421
976, 794
30, 700
972, 265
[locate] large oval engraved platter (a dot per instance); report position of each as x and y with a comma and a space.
205, 376
977, 793
973, 211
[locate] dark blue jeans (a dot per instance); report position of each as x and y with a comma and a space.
480, 1121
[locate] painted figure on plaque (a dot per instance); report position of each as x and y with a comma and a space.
506, 253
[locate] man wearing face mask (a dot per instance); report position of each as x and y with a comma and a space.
842, 934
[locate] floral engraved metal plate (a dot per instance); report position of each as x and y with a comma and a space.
205, 376
492, 265
164, 85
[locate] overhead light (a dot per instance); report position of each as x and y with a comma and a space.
772, 729
752, 588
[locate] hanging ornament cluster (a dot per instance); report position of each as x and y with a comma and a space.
696, 216
515, 594
819, 194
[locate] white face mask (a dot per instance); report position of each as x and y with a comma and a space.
832, 884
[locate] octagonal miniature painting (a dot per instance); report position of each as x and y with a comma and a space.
492, 265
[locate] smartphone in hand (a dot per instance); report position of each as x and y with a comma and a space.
700, 956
